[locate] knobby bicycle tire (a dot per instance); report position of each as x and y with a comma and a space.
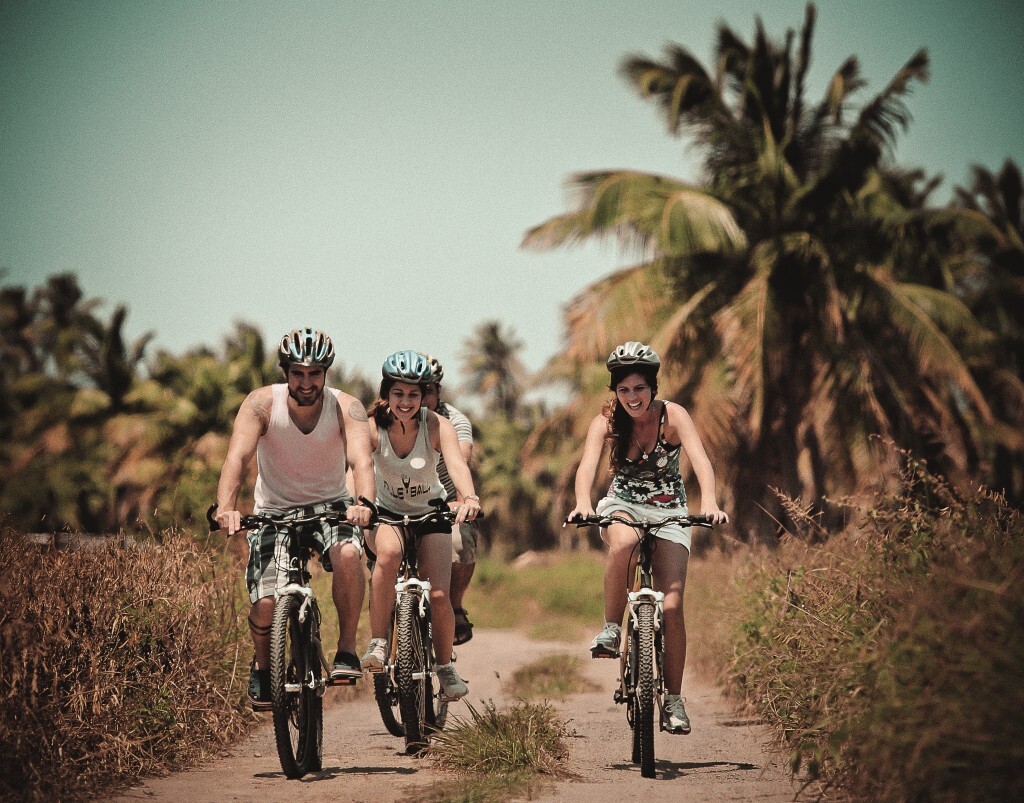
411, 660
298, 715
643, 725
386, 693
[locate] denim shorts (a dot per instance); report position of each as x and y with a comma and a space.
267, 569
672, 532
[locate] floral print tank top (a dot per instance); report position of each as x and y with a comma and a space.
654, 481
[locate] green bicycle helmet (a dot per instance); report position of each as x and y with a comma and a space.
306, 347
436, 369
633, 354
407, 366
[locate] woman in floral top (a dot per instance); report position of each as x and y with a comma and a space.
646, 436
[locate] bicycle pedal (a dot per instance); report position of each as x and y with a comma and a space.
619, 697
342, 681
603, 652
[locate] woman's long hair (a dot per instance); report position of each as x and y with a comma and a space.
620, 423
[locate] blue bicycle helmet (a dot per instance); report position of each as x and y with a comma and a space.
306, 347
407, 366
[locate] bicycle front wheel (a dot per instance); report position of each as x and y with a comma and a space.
412, 675
386, 692
642, 643
294, 675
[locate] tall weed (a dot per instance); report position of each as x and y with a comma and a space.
891, 657
114, 663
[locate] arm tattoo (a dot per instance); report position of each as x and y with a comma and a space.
357, 412
260, 408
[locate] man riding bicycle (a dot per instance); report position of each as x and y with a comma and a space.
304, 435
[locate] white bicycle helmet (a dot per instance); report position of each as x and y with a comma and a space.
436, 369
306, 347
633, 354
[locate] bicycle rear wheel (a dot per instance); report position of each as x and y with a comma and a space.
643, 713
436, 708
386, 691
294, 674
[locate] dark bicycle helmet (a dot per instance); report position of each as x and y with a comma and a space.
436, 369
407, 366
633, 355
306, 347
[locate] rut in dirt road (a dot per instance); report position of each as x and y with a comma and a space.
723, 759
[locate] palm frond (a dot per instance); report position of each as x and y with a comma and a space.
917, 311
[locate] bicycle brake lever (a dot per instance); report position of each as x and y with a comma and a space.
214, 524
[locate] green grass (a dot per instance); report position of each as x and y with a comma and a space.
555, 677
559, 599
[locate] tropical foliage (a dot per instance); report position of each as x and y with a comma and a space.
791, 291
93, 436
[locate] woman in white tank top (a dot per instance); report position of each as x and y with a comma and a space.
407, 441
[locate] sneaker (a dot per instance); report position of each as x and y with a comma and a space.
375, 656
463, 627
452, 686
346, 667
259, 688
673, 715
606, 644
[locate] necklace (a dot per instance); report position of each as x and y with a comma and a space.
643, 451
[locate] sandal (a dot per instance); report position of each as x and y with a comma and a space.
463, 627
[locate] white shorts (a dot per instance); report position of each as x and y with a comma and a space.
675, 533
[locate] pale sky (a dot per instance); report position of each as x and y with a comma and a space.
370, 168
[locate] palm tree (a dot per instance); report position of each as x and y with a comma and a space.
775, 288
988, 270
494, 370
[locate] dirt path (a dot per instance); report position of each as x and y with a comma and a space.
723, 759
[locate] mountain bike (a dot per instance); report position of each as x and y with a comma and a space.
641, 662
299, 672
408, 701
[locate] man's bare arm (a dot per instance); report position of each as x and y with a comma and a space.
250, 424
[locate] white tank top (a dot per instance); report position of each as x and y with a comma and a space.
407, 484
295, 469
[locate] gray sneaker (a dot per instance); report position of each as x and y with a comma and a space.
606, 644
375, 656
674, 715
452, 686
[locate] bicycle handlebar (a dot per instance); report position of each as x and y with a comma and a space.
336, 515
695, 520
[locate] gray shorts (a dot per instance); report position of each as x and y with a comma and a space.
464, 541
267, 568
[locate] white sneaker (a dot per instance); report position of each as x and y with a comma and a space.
606, 643
375, 656
452, 686
674, 714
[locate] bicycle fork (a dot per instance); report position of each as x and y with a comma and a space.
420, 589
626, 693
319, 685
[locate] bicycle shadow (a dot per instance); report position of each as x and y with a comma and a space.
327, 773
670, 770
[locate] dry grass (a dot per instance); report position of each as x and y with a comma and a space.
114, 663
891, 658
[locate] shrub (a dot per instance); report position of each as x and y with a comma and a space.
891, 658
115, 662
